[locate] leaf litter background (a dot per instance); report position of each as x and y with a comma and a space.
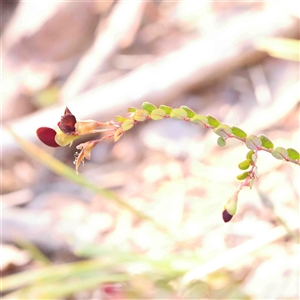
61, 240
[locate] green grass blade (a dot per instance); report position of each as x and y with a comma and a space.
63, 170
279, 47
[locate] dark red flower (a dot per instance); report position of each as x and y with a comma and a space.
69, 130
63, 136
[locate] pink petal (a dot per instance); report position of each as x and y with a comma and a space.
47, 136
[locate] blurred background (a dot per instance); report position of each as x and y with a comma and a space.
70, 237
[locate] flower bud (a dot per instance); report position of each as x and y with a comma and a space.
86, 127
230, 207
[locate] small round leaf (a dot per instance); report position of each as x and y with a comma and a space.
131, 109
280, 153
249, 154
276, 154
253, 142
127, 124
190, 112
213, 121
140, 115
197, 119
293, 154
166, 108
178, 114
120, 119
238, 132
266, 143
221, 142
149, 107
157, 114
242, 176
244, 165
223, 130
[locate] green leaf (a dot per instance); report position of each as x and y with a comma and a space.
61, 281
253, 142
131, 109
178, 114
244, 165
242, 176
190, 112
199, 119
238, 132
223, 130
120, 118
213, 121
276, 154
249, 154
279, 47
149, 107
266, 143
221, 142
166, 108
140, 115
157, 114
127, 124
293, 154
280, 153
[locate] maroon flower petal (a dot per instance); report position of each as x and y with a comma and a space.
47, 136
67, 122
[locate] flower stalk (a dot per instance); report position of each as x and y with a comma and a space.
70, 129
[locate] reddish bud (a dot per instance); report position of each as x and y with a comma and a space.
230, 207
226, 216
